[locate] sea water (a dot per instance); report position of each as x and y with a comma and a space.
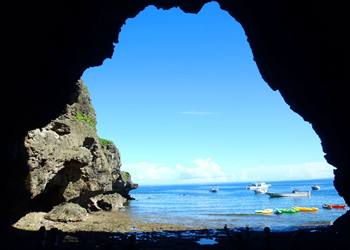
234, 205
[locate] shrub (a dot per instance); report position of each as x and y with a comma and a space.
86, 119
105, 142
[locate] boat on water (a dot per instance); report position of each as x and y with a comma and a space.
306, 209
295, 193
265, 211
214, 190
260, 191
288, 211
258, 185
334, 206
326, 206
315, 187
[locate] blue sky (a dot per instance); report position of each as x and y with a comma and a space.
183, 100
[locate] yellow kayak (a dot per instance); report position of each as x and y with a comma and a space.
306, 209
267, 211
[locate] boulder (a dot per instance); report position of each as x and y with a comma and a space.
67, 212
107, 202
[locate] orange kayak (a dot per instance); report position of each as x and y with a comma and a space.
336, 206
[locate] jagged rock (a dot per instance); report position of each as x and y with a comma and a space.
68, 162
67, 212
106, 202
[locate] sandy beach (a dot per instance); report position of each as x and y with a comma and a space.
111, 230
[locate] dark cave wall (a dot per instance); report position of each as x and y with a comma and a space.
300, 47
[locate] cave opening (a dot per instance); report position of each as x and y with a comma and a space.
307, 64
186, 104
191, 88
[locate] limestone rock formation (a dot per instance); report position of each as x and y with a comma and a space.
68, 162
106, 202
67, 212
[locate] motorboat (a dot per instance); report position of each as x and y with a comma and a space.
295, 193
214, 190
260, 191
258, 185
315, 187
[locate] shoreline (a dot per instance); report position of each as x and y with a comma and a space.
110, 230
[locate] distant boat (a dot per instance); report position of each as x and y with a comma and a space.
258, 185
214, 190
315, 187
326, 206
295, 193
260, 191
335, 206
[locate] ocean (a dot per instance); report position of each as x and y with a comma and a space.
234, 205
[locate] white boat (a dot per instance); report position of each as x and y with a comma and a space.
258, 185
214, 190
260, 191
295, 193
315, 187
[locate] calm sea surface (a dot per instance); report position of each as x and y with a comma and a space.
234, 205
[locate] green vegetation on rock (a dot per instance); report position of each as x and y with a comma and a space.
105, 142
125, 175
86, 119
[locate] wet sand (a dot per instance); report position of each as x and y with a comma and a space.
110, 230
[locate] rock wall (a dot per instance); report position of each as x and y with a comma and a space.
69, 163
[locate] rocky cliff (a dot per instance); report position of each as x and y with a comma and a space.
68, 162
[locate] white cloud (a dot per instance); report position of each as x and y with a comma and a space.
197, 113
150, 173
203, 169
200, 170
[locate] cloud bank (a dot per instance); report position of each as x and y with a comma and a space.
208, 171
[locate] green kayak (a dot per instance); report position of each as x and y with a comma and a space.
291, 211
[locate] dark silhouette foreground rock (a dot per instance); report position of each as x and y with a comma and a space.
301, 49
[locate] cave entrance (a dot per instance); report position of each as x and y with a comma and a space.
183, 98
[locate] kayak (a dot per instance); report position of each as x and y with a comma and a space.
291, 211
336, 206
265, 211
306, 209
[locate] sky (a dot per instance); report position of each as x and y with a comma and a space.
184, 102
